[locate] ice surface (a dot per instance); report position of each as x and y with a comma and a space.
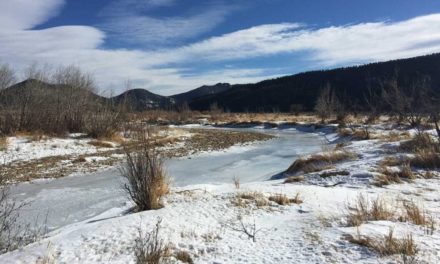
76, 198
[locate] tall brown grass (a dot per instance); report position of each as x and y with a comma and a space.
387, 245
3, 143
363, 210
320, 160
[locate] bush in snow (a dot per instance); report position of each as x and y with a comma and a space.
145, 175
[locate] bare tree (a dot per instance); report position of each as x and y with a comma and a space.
7, 77
327, 103
408, 103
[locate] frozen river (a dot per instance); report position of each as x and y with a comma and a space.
77, 198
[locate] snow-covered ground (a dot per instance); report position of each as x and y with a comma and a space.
22, 148
201, 218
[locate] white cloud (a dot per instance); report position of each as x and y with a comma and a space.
131, 21
166, 71
26, 14
328, 46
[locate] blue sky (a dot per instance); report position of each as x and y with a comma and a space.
170, 46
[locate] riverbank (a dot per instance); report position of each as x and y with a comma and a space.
28, 158
365, 197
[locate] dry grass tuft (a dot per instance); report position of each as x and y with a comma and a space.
416, 215
361, 134
364, 210
184, 257
101, 144
3, 143
297, 199
381, 180
420, 142
391, 161
334, 173
394, 136
280, 199
429, 175
321, 160
388, 176
387, 245
257, 197
293, 179
80, 159
426, 159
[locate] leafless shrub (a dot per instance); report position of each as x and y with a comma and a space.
56, 103
248, 228
145, 175
149, 248
387, 245
327, 104
321, 160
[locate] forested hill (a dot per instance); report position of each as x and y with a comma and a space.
351, 84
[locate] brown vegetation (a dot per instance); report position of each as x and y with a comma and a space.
426, 160
293, 179
149, 248
56, 103
387, 245
145, 175
417, 216
3, 143
321, 160
282, 199
101, 144
184, 257
420, 142
364, 210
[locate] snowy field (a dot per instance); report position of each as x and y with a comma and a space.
202, 219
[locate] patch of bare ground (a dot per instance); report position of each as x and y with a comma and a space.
320, 161
202, 140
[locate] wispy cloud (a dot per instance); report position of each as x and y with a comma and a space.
133, 22
175, 70
326, 46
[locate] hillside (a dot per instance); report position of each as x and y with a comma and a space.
32, 88
141, 100
201, 91
303, 89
